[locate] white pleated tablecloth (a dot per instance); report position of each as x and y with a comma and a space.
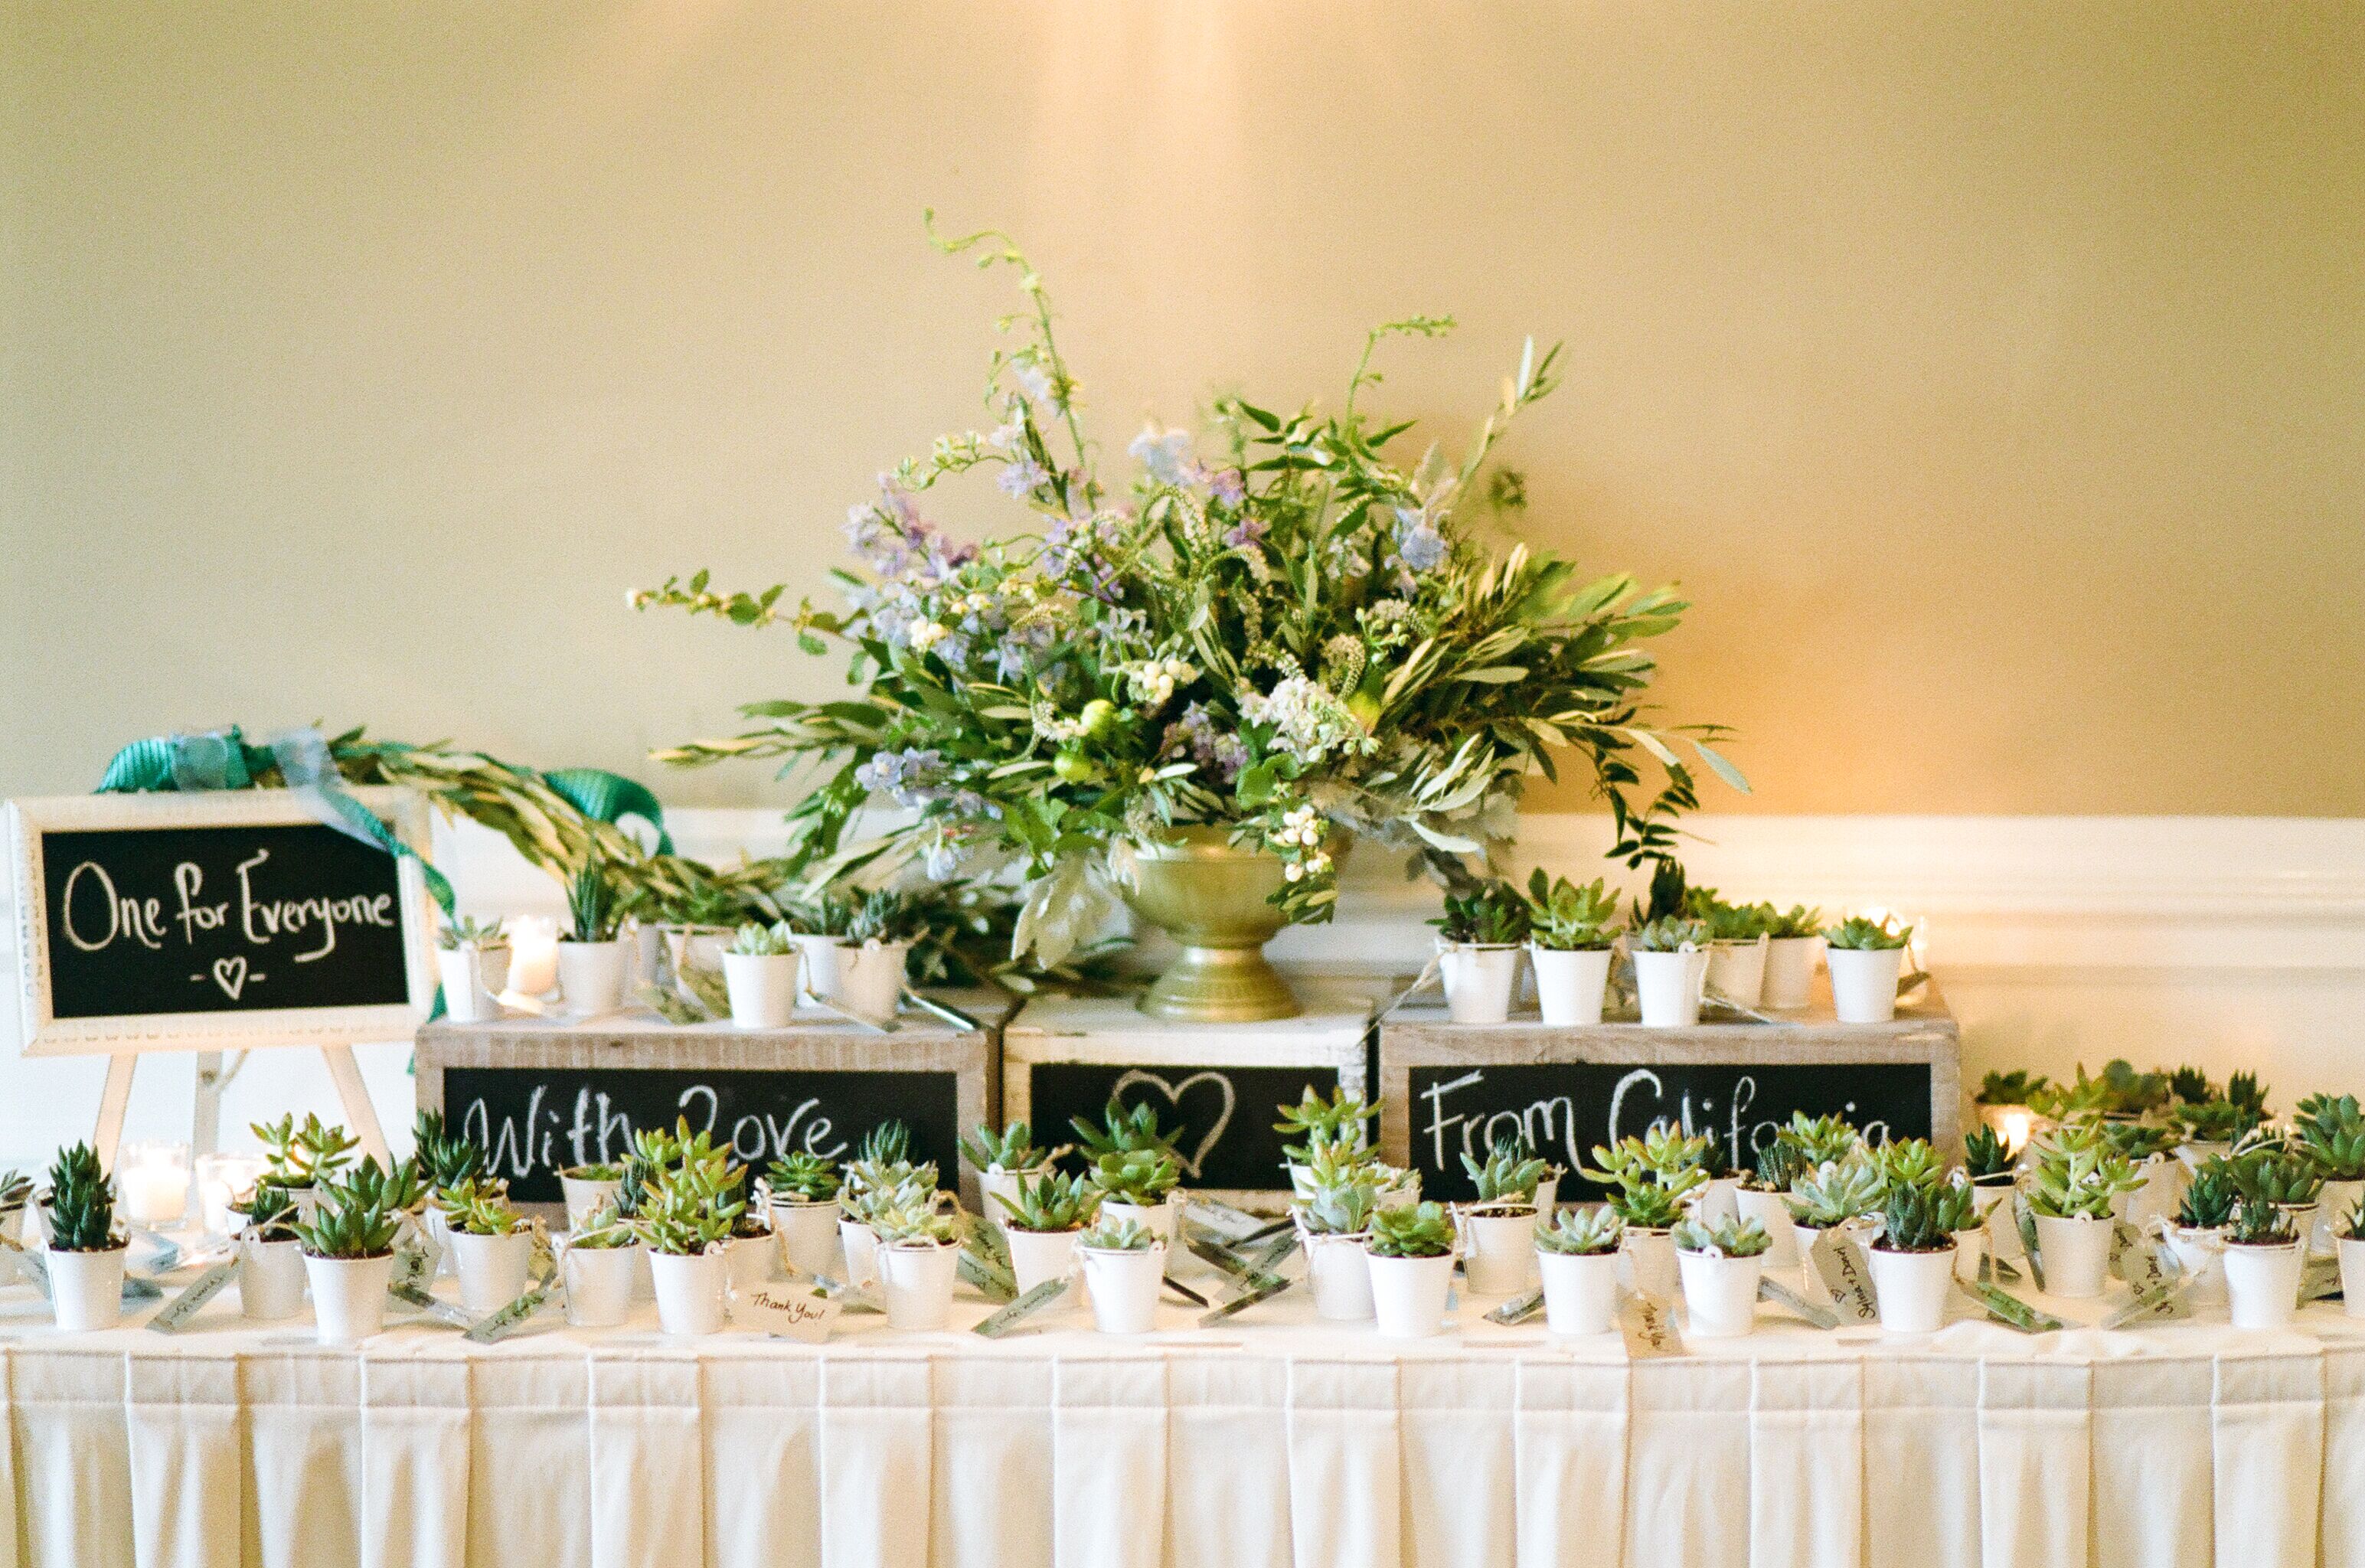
1271, 1441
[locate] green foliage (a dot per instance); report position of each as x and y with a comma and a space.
1984, 1155
1731, 1237
2212, 1121
1726, 921
81, 1204
2350, 1225
270, 1213
2258, 1223
2191, 1086
1858, 934
401, 1190
461, 931
1565, 918
16, 1190
1909, 1162
591, 911
480, 1209
2270, 1176
1651, 1176
1836, 1193
603, 1229
1668, 933
2332, 1133
1340, 1202
1013, 1148
348, 1221
1140, 1176
889, 1143
2014, 1088
1052, 1202
2210, 1197
804, 1177
1317, 1122
915, 1225
445, 1159
2140, 1141
1509, 1173
1124, 1132
1821, 1139
302, 1156
887, 915
1113, 1234
594, 1172
1798, 920
2244, 1090
691, 1206
1582, 1232
1779, 1163
1923, 1217
2077, 1174
1490, 914
1416, 1230
754, 941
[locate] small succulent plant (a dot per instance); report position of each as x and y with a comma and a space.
603, 1229
2212, 1121
1582, 1232
401, 1189
754, 941
2191, 1086
16, 1190
445, 1159
1668, 933
1140, 1176
2140, 1141
1909, 1162
1797, 921
1835, 1193
887, 915
2014, 1088
1916, 1217
2077, 1174
2289, 1177
806, 1178
1509, 1173
461, 931
81, 1204
1315, 1122
307, 1155
1118, 1235
1051, 1201
1123, 1132
1010, 1151
270, 1213
596, 1170
1340, 1205
2332, 1134
1984, 1156
1857, 934
1779, 1163
2260, 1223
1564, 917
2244, 1090
348, 1223
591, 909
689, 1208
1416, 1230
1663, 1152
1492, 914
1731, 1236
830, 914
480, 1209
2210, 1197
915, 1225
2350, 1225
1821, 1139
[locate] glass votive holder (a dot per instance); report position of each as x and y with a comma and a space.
222, 1180
533, 954
152, 1181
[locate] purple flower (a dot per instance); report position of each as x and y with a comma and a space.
1418, 541
1166, 454
1022, 475
1245, 532
1227, 485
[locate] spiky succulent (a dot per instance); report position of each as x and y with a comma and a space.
1051, 1201
1508, 1174
2191, 1085
2287, 1176
2077, 1174
1416, 1230
591, 911
887, 915
16, 1190
2244, 1090
2350, 1225
1124, 1132
307, 1155
1859, 935
1492, 914
1924, 1218
1837, 1191
400, 1191
1339, 1121
445, 1159
1582, 1232
270, 1213
1779, 1163
1011, 1149
348, 1222
2210, 1197
807, 1178
2260, 1223
1984, 1156
1731, 1237
886, 1143
1139, 1176
1668, 933
2332, 1133
1564, 917
2014, 1088
479, 1208
1118, 1235
81, 1204
1798, 920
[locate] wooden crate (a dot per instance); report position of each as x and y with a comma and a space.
542, 1093
1066, 1056
1450, 1086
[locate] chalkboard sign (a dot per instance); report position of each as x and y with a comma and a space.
1228, 1141
191, 922
1566, 1108
533, 1121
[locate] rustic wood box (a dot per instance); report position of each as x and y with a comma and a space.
1066, 1055
1451, 1087
542, 1094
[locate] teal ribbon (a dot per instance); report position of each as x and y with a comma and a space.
606, 797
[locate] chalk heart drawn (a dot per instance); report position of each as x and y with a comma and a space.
1174, 1091
231, 976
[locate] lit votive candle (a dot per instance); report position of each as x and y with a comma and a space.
533, 954
222, 1180
153, 1181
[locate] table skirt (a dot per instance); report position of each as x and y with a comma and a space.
1255, 1447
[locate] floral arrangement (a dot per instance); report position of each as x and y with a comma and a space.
1284, 628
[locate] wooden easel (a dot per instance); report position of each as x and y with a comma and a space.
205, 1131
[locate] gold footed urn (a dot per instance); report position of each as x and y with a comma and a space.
1212, 897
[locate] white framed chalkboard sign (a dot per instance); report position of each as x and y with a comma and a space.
215, 921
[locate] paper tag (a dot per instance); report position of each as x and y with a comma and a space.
2011, 1311
1840, 1263
2319, 1278
2161, 1302
1790, 1301
413, 1294
1649, 1328
1242, 1302
787, 1312
987, 1237
413, 1267
1518, 1309
2024, 1219
203, 1288
1237, 1267
1025, 1307
992, 1282
1225, 1220
853, 1298
35, 1268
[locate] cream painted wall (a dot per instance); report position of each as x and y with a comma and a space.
1991, 375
